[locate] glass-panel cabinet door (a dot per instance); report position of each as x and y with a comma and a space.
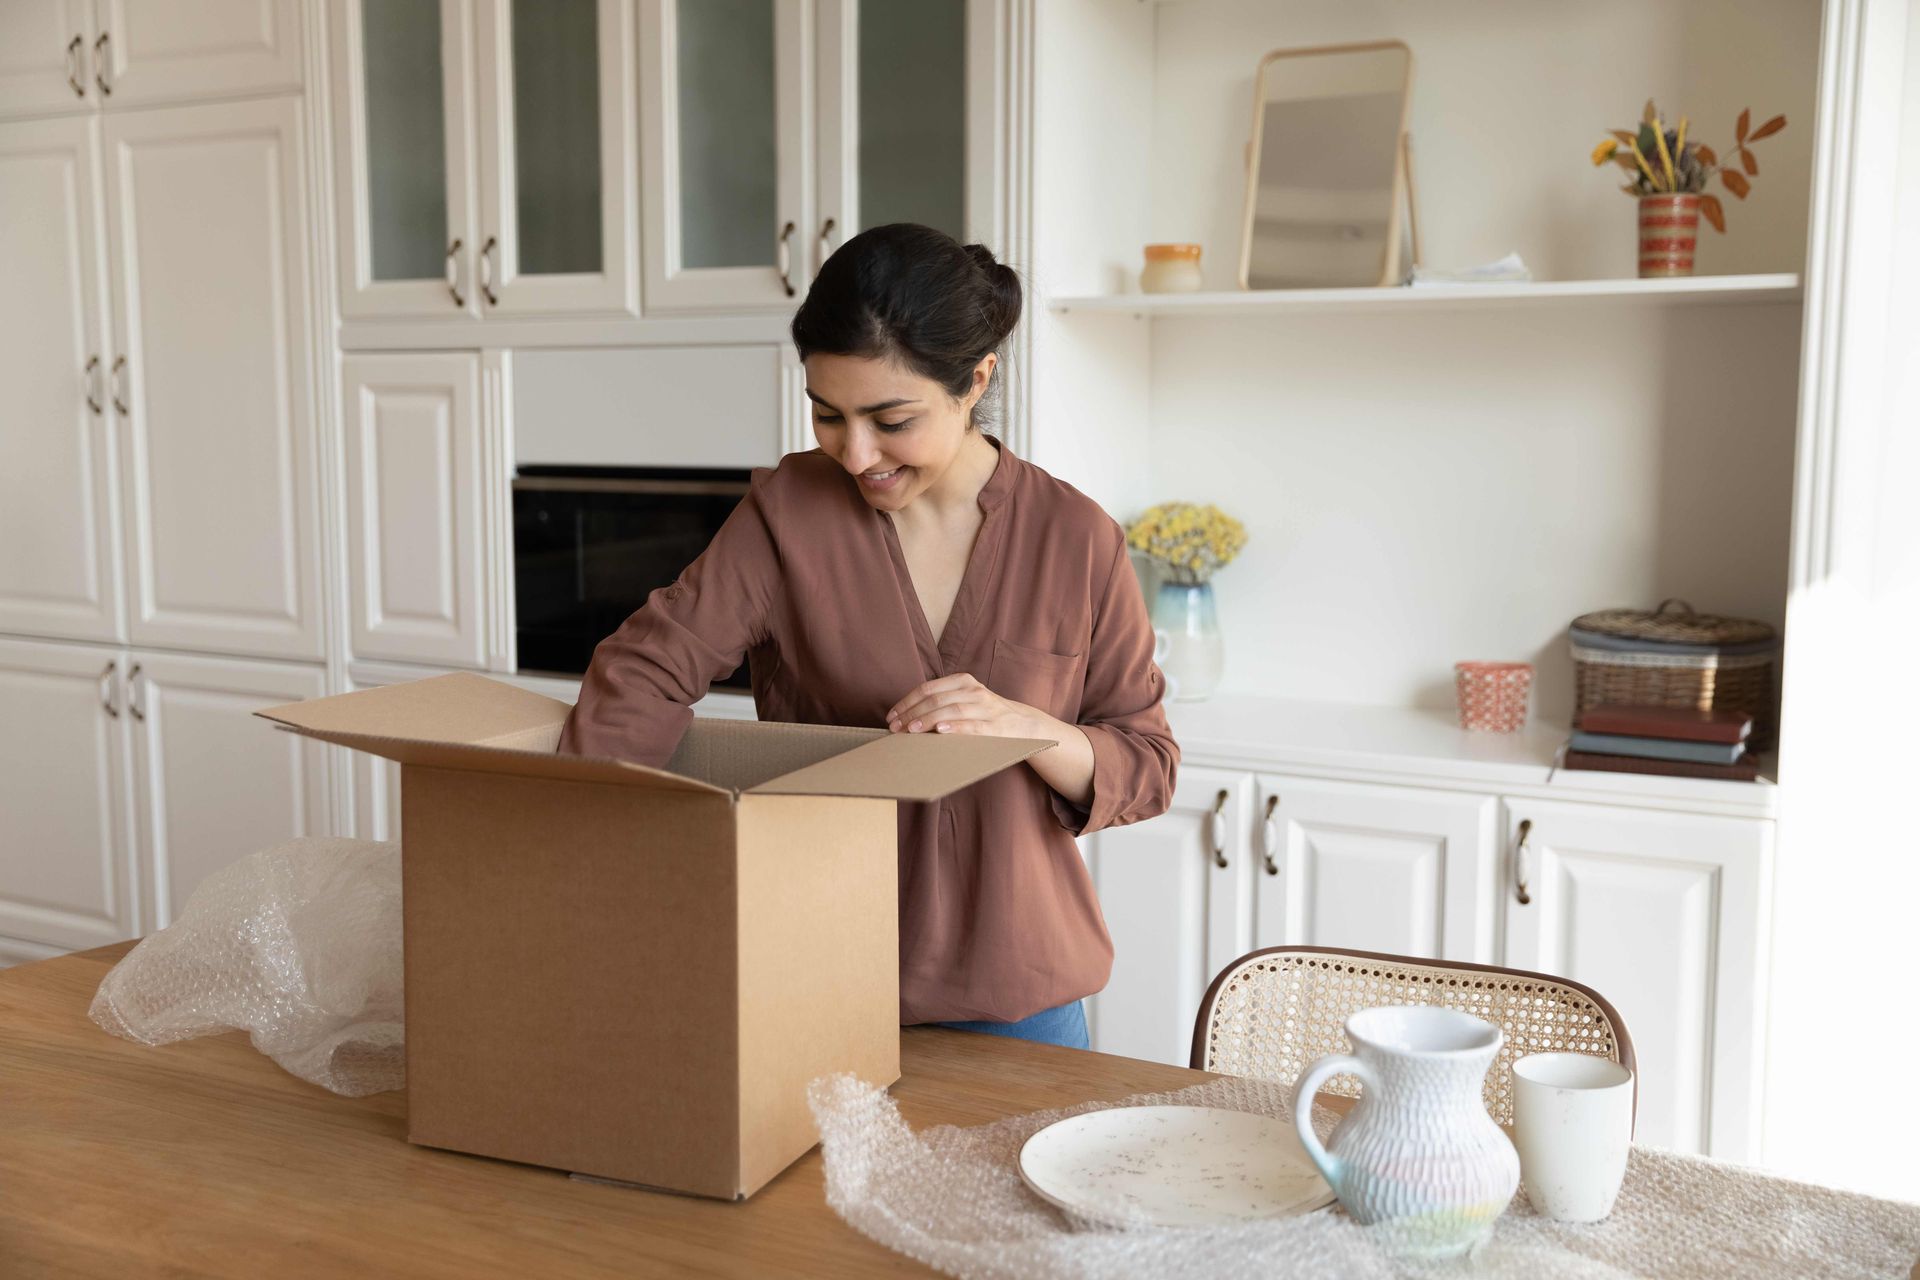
723, 138
403, 94
899, 85
559, 232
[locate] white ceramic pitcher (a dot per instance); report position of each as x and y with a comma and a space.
1418, 1148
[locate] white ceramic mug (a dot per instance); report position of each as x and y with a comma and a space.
1572, 1124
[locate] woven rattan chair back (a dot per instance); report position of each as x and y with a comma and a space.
1271, 1013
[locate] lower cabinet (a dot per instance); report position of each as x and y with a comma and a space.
1664, 915
1661, 912
128, 777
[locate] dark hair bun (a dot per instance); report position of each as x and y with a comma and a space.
909, 293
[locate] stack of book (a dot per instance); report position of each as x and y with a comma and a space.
1675, 741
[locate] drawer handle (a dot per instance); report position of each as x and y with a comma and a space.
486, 270
786, 259
107, 690
93, 386
453, 272
1215, 820
100, 65
1520, 863
119, 393
133, 693
73, 66
1270, 836
826, 241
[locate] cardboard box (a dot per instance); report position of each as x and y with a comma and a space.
634, 973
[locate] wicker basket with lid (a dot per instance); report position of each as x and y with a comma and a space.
1674, 657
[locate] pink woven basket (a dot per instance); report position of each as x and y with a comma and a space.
1493, 695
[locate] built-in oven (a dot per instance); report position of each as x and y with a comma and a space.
590, 543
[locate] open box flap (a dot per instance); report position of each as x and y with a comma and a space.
464, 721
906, 766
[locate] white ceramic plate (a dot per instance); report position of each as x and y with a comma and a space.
1173, 1167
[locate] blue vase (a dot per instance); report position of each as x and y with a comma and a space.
1186, 640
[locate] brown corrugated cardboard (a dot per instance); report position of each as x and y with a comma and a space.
634, 973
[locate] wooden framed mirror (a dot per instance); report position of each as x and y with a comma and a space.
1329, 188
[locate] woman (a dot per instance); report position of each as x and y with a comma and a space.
912, 573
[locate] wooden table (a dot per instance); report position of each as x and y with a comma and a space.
206, 1159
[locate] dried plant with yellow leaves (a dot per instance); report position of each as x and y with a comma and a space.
1663, 162
1189, 542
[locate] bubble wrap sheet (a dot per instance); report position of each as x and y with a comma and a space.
953, 1199
298, 945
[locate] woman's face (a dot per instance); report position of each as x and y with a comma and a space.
894, 431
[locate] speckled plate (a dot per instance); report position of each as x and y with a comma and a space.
1173, 1167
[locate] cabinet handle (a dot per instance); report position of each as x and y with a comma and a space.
93, 386
453, 272
1215, 820
107, 690
486, 270
786, 259
826, 242
1269, 836
100, 65
119, 396
74, 72
133, 693
1520, 863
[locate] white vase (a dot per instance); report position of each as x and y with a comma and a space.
1418, 1149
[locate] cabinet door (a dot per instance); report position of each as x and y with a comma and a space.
558, 168
66, 877
214, 782
1663, 914
173, 50
724, 135
896, 85
59, 571
415, 550
208, 242
1373, 868
1177, 916
404, 129
46, 57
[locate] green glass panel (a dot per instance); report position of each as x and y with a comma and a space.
406, 139
727, 148
556, 135
913, 114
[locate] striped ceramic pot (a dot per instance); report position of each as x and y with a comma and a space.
1669, 225
1418, 1150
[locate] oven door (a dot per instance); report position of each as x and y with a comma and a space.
590, 544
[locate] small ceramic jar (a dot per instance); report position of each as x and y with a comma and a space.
1171, 268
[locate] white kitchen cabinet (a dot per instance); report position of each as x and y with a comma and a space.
724, 150
210, 381
46, 56
1174, 893
898, 85
66, 869
1376, 868
415, 549
214, 782
1664, 915
59, 575
488, 159
150, 51
84, 55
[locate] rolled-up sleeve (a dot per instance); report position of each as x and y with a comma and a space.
637, 697
1135, 758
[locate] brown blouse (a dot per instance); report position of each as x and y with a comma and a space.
998, 917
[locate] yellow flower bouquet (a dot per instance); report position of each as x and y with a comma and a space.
1189, 542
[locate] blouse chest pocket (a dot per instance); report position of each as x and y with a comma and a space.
1038, 677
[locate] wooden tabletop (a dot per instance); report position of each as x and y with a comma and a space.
206, 1159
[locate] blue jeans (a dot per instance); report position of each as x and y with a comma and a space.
1065, 1025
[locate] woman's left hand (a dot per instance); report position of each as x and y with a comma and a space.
961, 704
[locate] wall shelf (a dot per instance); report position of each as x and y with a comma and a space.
1682, 291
